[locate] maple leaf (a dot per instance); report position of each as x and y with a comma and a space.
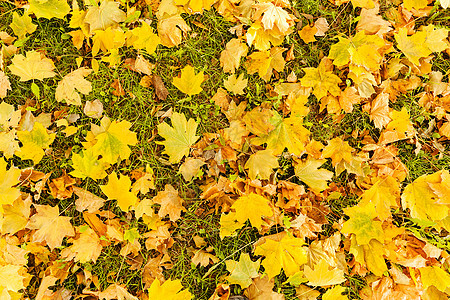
51, 227
261, 38
191, 168
273, 17
308, 171
235, 84
21, 25
261, 121
170, 30
230, 58
34, 142
321, 80
264, 62
203, 258
262, 289
113, 144
179, 138
434, 276
108, 40
145, 182
228, 224
189, 83
379, 112
421, 200
422, 43
8, 179
371, 22
322, 275
104, 16
285, 253
71, 82
15, 216
289, 133
119, 189
252, 207
363, 3
383, 194
116, 291
144, 38
338, 150
361, 223
85, 248
243, 271
49, 8
87, 201
87, 164
335, 293
33, 66
416, 4
171, 203
361, 50
11, 278
307, 34
261, 164
4, 85
170, 289
370, 255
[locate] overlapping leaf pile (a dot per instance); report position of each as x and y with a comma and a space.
238, 166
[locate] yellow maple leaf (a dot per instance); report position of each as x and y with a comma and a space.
113, 143
71, 83
362, 224
368, 4
383, 194
434, 276
170, 29
261, 164
189, 83
307, 34
416, 4
230, 58
285, 253
321, 80
171, 203
87, 164
422, 43
322, 275
308, 171
273, 17
34, 142
15, 216
21, 25
170, 289
49, 8
8, 179
370, 255
119, 189
104, 16
179, 138
143, 38
335, 293
228, 224
252, 207
32, 66
361, 50
235, 84
12, 278
338, 150
51, 227
108, 40
85, 248
5, 85
243, 271
421, 200
264, 62
262, 39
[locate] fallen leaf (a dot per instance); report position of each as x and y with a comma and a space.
322, 275
71, 83
171, 203
119, 189
242, 271
189, 83
32, 66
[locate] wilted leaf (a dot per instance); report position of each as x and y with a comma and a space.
171, 203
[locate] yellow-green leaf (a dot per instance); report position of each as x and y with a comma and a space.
87, 164
308, 171
435, 276
362, 224
34, 142
21, 25
49, 8
179, 138
243, 271
321, 80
